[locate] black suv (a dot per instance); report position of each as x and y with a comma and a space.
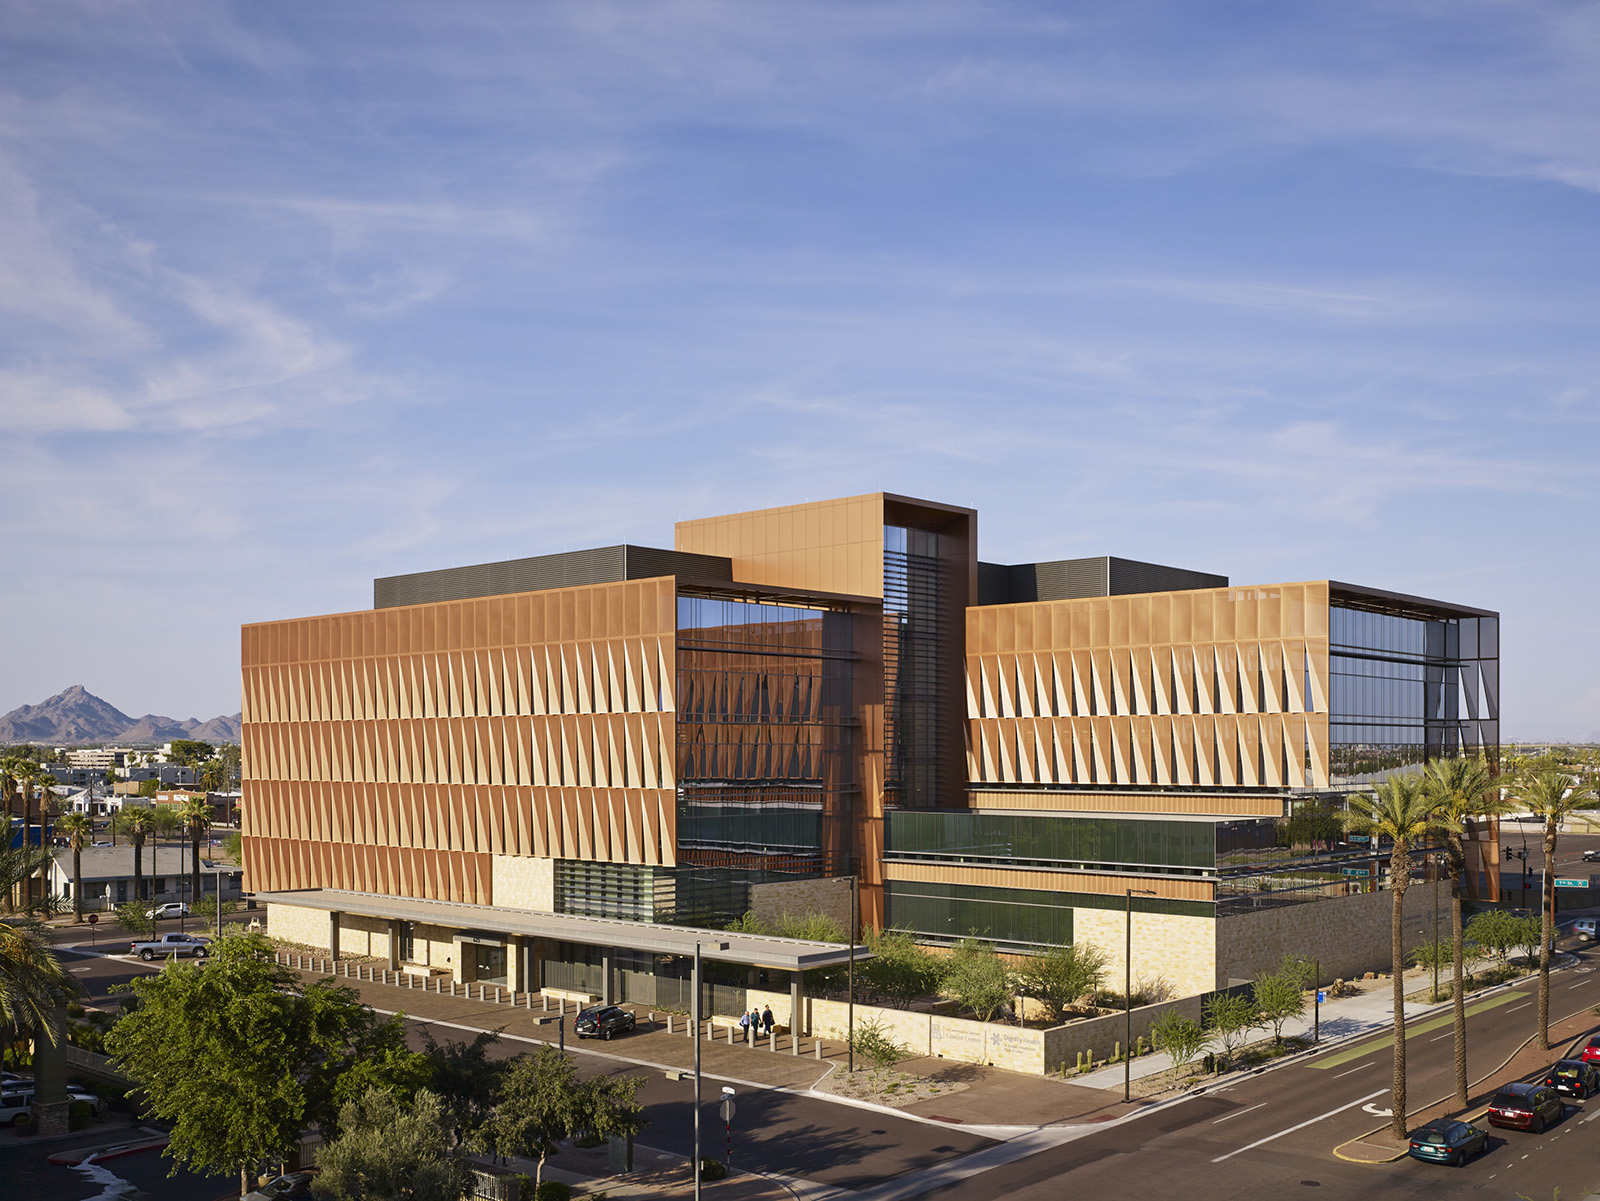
604, 1021
1525, 1107
1574, 1078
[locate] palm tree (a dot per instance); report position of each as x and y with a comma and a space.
196, 815
1460, 790
1402, 812
78, 828
163, 821
33, 983
1552, 797
27, 773
135, 821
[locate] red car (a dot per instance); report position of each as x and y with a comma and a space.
1591, 1053
1525, 1107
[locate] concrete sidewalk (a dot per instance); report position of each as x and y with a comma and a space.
993, 1102
1368, 1012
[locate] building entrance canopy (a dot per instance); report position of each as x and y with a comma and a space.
756, 950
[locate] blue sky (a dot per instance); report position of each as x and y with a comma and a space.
294, 295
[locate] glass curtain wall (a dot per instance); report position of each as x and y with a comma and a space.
1406, 689
913, 605
765, 725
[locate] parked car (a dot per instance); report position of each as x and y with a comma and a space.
292, 1186
604, 1021
1591, 1050
1573, 1078
16, 1104
1523, 1106
172, 944
1445, 1140
1584, 928
171, 909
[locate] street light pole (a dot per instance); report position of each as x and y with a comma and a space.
694, 1010
1127, 999
850, 970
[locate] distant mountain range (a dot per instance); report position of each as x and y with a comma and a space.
78, 716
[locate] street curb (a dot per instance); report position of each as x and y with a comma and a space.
1429, 1105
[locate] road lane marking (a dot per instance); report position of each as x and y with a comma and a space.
1237, 1112
1442, 1037
1377, 1044
1579, 984
1524, 1005
1308, 1122
1352, 1071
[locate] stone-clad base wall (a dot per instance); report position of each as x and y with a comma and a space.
432, 946
831, 897
1181, 950
523, 882
1347, 935
303, 927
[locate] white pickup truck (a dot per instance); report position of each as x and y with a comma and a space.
172, 944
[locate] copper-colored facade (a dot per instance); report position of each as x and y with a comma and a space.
393, 751
815, 675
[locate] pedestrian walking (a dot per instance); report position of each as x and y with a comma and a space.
744, 1026
755, 1026
767, 1020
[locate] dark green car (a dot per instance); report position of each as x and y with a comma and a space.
1445, 1140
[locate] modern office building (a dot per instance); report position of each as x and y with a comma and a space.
554, 770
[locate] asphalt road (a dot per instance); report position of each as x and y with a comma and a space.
1273, 1135
1267, 1136
774, 1131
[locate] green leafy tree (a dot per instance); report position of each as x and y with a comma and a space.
541, 1101
1430, 955
1230, 1018
873, 1041
1462, 791
240, 1058
900, 970
393, 1150
1062, 976
78, 830
1495, 931
466, 1078
1552, 797
1281, 995
977, 978
189, 752
1525, 933
149, 788
1182, 1038
1401, 811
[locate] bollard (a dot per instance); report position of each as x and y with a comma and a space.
794, 1043
497, 994
669, 1023
544, 1002
818, 1046
772, 1040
